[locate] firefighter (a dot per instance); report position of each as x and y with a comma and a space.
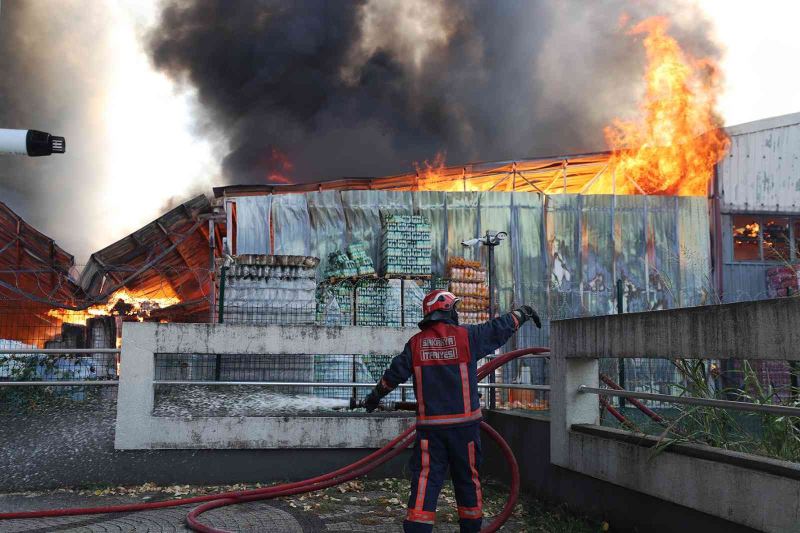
442, 358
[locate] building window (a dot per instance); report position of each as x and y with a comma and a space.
773, 239
776, 239
797, 238
746, 245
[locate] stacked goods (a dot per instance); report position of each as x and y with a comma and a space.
358, 254
335, 304
355, 262
340, 266
271, 289
378, 303
468, 282
783, 281
406, 246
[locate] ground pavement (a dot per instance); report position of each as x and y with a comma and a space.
370, 506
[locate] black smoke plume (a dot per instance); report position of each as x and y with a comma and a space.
368, 87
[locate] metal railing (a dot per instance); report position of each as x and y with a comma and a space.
780, 410
334, 384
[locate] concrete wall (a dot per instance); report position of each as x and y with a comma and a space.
137, 428
746, 330
755, 492
625, 509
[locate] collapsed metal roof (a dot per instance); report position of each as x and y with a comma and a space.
567, 174
171, 250
32, 266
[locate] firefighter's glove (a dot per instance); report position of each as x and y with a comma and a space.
372, 401
526, 312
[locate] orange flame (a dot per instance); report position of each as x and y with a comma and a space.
672, 150
138, 304
431, 176
281, 167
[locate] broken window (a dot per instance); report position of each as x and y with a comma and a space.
745, 238
776, 239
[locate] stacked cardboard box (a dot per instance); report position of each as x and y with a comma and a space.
468, 281
783, 281
406, 246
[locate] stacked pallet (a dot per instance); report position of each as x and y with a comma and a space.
378, 303
783, 281
468, 281
406, 246
271, 289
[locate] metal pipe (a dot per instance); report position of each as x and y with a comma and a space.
56, 383
329, 384
28, 351
707, 402
620, 362
222, 271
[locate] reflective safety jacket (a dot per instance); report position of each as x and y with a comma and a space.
443, 359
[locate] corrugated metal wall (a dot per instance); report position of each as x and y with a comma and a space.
761, 172
564, 252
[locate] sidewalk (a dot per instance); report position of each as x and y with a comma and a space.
369, 506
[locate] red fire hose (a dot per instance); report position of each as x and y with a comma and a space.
346, 473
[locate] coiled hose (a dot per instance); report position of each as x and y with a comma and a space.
361, 467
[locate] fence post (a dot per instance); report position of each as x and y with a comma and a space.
620, 362
220, 319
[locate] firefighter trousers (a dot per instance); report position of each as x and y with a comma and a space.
436, 450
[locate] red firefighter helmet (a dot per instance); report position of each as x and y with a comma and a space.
439, 300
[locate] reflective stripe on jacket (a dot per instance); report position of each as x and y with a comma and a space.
443, 359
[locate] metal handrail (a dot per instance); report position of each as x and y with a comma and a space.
335, 384
28, 351
689, 400
73, 383
59, 383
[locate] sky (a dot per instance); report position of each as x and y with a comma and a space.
156, 150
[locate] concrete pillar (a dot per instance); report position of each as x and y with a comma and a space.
567, 405
135, 394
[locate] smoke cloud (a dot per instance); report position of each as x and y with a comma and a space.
311, 89
52, 77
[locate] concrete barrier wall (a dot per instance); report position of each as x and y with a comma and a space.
723, 486
624, 508
138, 429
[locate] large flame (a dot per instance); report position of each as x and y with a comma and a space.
136, 304
432, 176
674, 146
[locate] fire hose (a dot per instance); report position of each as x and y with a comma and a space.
361, 467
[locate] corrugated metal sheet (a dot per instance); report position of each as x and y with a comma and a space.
694, 267
328, 226
253, 225
564, 253
291, 222
761, 172
494, 213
